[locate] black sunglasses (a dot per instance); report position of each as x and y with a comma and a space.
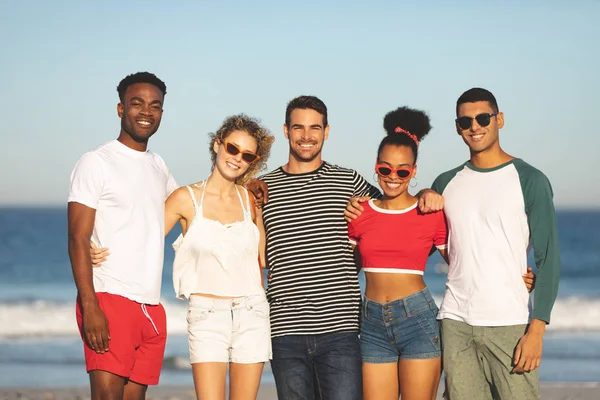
482, 119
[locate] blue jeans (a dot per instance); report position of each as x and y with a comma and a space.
317, 367
405, 328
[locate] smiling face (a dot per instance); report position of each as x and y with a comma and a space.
480, 138
140, 111
231, 167
306, 134
395, 157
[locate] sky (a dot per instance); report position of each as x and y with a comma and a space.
61, 62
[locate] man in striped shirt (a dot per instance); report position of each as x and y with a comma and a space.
313, 291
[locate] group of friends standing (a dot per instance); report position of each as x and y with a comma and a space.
313, 225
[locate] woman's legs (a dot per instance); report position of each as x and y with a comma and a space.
419, 379
413, 379
209, 380
244, 380
380, 381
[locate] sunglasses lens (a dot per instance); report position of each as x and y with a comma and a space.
403, 173
384, 171
231, 149
464, 122
249, 157
483, 119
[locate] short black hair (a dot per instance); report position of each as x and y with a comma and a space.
140, 77
306, 103
477, 94
416, 122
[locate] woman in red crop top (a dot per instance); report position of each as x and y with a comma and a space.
400, 338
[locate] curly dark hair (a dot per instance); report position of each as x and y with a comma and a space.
264, 140
477, 94
306, 103
414, 121
140, 77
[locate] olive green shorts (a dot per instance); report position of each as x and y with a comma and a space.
477, 361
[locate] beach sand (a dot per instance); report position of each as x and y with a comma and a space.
549, 391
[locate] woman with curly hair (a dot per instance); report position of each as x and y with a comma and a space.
400, 338
218, 264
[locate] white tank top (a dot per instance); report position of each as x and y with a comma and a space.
217, 259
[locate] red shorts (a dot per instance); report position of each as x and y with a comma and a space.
137, 341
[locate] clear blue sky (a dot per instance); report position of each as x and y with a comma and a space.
61, 62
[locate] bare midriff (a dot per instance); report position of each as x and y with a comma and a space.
384, 287
212, 296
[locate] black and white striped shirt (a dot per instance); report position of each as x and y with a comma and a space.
314, 282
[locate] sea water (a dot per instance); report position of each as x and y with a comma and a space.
40, 343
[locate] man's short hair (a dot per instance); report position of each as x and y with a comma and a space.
140, 77
477, 94
306, 103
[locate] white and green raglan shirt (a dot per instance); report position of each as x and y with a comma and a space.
494, 216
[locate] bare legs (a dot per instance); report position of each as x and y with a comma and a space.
108, 386
413, 379
210, 377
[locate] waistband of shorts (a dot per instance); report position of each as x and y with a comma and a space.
410, 303
227, 304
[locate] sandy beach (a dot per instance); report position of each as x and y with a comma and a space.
549, 391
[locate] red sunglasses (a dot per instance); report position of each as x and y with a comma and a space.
385, 170
232, 149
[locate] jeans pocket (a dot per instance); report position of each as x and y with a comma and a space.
197, 314
261, 310
430, 327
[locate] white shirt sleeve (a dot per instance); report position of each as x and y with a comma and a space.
171, 185
87, 181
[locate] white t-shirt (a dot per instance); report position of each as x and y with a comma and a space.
494, 215
128, 189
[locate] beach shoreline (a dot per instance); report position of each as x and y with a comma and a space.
549, 391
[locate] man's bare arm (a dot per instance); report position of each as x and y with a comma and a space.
80, 226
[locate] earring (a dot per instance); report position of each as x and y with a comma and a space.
416, 182
375, 177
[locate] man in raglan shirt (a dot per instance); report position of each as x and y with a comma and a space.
116, 199
496, 206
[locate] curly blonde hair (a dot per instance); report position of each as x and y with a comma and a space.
244, 123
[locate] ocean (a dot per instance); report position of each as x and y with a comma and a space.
40, 345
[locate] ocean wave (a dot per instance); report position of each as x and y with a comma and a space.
42, 318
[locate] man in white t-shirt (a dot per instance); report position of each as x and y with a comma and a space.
116, 199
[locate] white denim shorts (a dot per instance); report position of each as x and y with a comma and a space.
232, 330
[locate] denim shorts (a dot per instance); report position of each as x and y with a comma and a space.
406, 328
229, 330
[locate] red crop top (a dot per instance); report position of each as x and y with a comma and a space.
397, 241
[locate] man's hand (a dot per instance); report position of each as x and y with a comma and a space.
529, 279
528, 352
260, 191
95, 327
98, 254
354, 209
430, 201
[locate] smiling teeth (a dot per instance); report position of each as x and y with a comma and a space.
307, 145
477, 136
144, 122
233, 166
392, 185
